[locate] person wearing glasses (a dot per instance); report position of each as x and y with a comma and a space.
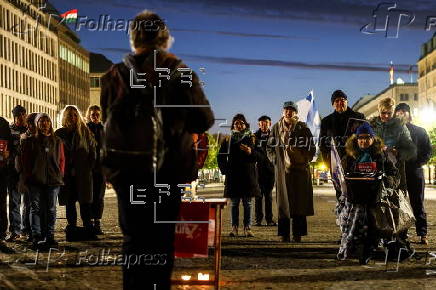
291, 148
237, 161
395, 135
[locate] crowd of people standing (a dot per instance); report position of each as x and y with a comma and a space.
40, 166
387, 145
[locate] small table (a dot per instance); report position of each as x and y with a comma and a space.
216, 204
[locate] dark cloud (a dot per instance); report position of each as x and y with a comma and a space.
342, 66
354, 12
303, 65
115, 49
242, 34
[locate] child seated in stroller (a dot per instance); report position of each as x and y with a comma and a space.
366, 167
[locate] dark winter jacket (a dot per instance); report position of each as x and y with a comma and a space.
97, 130
423, 146
383, 164
238, 166
5, 136
78, 167
265, 169
178, 122
395, 134
336, 126
43, 161
14, 150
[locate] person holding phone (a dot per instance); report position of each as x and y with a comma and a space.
237, 161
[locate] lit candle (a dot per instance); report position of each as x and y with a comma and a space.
203, 277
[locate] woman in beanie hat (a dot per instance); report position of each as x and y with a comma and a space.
237, 161
364, 155
43, 169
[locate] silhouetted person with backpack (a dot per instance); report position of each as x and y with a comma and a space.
149, 120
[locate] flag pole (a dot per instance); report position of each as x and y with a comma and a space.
410, 73
391, 73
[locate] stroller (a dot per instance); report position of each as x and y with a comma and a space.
355, 220
373, 212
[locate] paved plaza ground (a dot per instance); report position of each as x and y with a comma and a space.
261, 262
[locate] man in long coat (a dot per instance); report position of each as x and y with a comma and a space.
291, 148
265, 172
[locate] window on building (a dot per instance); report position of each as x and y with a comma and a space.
1, 17
1, 76
95, 82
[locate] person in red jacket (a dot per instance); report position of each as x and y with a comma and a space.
43, 168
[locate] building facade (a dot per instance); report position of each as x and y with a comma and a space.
73, 71
427, 73
42, 65
28, 59
400, 92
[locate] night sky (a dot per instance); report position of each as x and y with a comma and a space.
259, 53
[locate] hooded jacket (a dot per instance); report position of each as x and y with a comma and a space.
383, 164
43, 161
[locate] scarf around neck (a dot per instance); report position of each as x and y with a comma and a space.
285, 131
239, 135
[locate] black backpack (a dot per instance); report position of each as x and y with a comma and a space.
133, 131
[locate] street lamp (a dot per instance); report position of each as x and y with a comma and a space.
426, 116
323, 167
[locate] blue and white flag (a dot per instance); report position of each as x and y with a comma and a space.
308, 113
338, 176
